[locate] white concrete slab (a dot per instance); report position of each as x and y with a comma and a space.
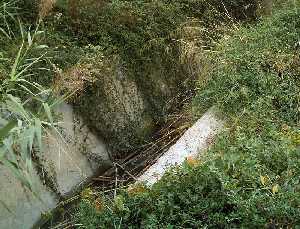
195, 140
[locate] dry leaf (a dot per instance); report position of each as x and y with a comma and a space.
263, 180
136, 189
275, 189
191, 161
98, 205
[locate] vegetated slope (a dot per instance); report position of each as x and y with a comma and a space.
139, 31
250, 177
133, 60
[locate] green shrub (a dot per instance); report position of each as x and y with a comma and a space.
146, 35
141, 31
257, 69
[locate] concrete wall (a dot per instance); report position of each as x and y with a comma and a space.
70, 156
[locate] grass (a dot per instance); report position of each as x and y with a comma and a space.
250, 177
25, 68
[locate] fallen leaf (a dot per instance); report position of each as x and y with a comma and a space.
275, 189
263, 180
191, 161
136, 189
98, 205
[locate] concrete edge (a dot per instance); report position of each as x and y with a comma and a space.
196, 139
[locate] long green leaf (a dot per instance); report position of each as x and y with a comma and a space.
17, 173
5, 33
16, 63
7, 128
28, 66
15, 106
48, 112
38, 132
29, 39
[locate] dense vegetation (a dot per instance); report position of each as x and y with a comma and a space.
144, 34
139, 31
250, 177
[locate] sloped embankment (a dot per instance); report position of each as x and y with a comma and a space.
142, 58
250, 177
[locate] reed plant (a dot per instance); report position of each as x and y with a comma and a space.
26, 107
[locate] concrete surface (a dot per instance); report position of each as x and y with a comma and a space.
74, 153
195, 140
69, 157
25, 208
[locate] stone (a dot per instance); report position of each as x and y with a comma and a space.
113, 105
124, 107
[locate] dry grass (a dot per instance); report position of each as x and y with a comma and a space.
265, 7
72, 82
45, 7
190, 37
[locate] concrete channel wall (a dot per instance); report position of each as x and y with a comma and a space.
70, 156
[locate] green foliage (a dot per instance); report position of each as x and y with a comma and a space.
250, 177
148, 38
141, 31
258, 72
